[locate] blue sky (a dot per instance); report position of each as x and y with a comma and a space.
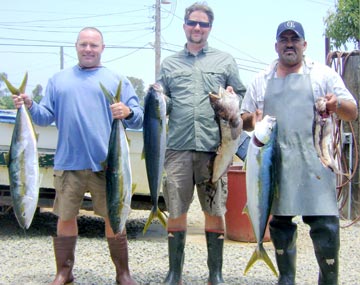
31, 33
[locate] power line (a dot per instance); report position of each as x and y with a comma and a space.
57, 46
27, 29
71, 18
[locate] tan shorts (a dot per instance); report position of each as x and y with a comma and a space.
71, 187
184, 170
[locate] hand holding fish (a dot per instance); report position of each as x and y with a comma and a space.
250, 119
331, 103
18, 95
230, 89
157, 87
21, 99
120, 111
346, 110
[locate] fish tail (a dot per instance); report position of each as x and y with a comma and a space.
149, 220
23, 83
12, 89
162, 218
258, 254
155, 213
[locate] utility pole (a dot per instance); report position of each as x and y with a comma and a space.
61, 57
157, 38
157, 44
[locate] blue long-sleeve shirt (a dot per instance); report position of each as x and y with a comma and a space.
77, 105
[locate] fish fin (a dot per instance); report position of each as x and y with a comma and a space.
23, 84
245, 162
133, 187
107, 94
258, 254
7, 158
13, 90
118, 92
143, 153
155, 213
103, 164
162, 218
246, 210
332, 166
149, 220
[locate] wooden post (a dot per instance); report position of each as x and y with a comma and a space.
351, 77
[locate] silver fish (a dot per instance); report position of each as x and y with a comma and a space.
23, 163
260, 184
323, 135
154, 135
118, 172
227, 111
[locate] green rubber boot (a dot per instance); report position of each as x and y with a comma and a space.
215, 245
176, 243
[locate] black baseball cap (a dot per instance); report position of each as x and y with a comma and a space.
290, 25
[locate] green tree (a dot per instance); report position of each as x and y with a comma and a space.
342, 25
37, 93
138, 85
6, 102
3, 88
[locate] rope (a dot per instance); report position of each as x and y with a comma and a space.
338, 60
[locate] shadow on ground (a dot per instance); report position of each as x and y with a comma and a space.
90, 226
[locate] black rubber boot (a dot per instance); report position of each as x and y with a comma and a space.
324, 232
283, 234
176, 244
215, 245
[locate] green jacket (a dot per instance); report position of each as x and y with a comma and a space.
187, 80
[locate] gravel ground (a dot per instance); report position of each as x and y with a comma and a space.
27, 256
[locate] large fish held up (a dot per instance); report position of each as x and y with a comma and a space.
227, 111
323, 136
118, 171
260, 184
154, 135
23, 163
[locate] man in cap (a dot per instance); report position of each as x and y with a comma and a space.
288, 90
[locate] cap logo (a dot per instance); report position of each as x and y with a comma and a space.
290, 25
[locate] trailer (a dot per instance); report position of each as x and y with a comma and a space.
47, 139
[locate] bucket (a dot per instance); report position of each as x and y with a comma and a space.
238, 225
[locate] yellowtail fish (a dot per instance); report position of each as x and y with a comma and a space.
118, 171
154, 135
227, 111
260, 185
23, 163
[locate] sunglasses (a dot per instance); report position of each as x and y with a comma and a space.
195, 23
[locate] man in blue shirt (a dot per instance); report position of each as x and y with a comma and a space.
77, 105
